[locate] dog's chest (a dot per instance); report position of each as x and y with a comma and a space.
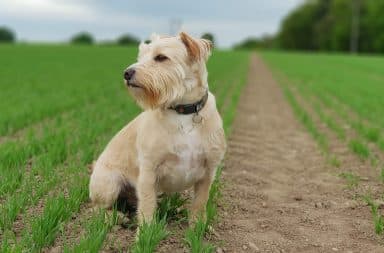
184, 164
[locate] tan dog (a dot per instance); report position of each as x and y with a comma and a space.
177, 142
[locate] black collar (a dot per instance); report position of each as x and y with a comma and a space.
191, 108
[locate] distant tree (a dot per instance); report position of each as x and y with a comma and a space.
266, 41
297, 28
372, 26
127, 39
209, 36
6, 35
327, 25
82, 38
332, 29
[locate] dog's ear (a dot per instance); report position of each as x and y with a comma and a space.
198, 49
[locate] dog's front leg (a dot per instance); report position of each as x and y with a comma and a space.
201, 195
146, 194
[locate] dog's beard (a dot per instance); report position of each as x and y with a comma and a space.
158, 89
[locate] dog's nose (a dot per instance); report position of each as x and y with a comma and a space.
129, 73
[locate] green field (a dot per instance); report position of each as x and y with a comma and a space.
60, 105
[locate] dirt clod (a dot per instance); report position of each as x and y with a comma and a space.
219, 250
253, 246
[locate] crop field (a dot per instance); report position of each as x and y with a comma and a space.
340, 100
305, 159
60, 105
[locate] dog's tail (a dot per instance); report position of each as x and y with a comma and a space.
127, 200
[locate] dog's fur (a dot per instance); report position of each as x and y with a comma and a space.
161, 150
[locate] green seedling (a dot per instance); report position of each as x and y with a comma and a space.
194, 238
359, 148
352, 179
334, 161
378, 219
150, 234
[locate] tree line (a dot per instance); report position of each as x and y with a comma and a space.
329, 25
8, 36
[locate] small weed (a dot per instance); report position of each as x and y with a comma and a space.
380, 144
382, 174
334, 161
374, 161
372, 134
352, 179
378, 219
359, 148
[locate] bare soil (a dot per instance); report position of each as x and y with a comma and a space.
280, 194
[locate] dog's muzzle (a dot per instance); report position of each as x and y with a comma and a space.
129, 78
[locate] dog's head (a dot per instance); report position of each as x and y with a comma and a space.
168, 70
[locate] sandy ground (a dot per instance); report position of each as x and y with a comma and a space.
280, 195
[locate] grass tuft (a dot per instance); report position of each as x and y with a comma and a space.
334, 161
372, 134
172, 207
58, 209
194, 237
97, 230
359, 148
382, 175
352, 179
378, 219
150, 234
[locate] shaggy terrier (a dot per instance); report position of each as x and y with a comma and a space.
176, 142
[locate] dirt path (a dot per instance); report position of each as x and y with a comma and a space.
279, 194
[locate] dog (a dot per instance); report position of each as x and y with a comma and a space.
177, 142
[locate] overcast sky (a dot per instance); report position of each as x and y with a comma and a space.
57, 20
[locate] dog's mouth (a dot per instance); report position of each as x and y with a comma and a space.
133, 85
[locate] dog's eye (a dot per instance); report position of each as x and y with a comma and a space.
160, 58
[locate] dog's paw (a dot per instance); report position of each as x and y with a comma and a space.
195, 216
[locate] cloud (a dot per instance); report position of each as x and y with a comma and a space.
47, 10
229, 20
229, 32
